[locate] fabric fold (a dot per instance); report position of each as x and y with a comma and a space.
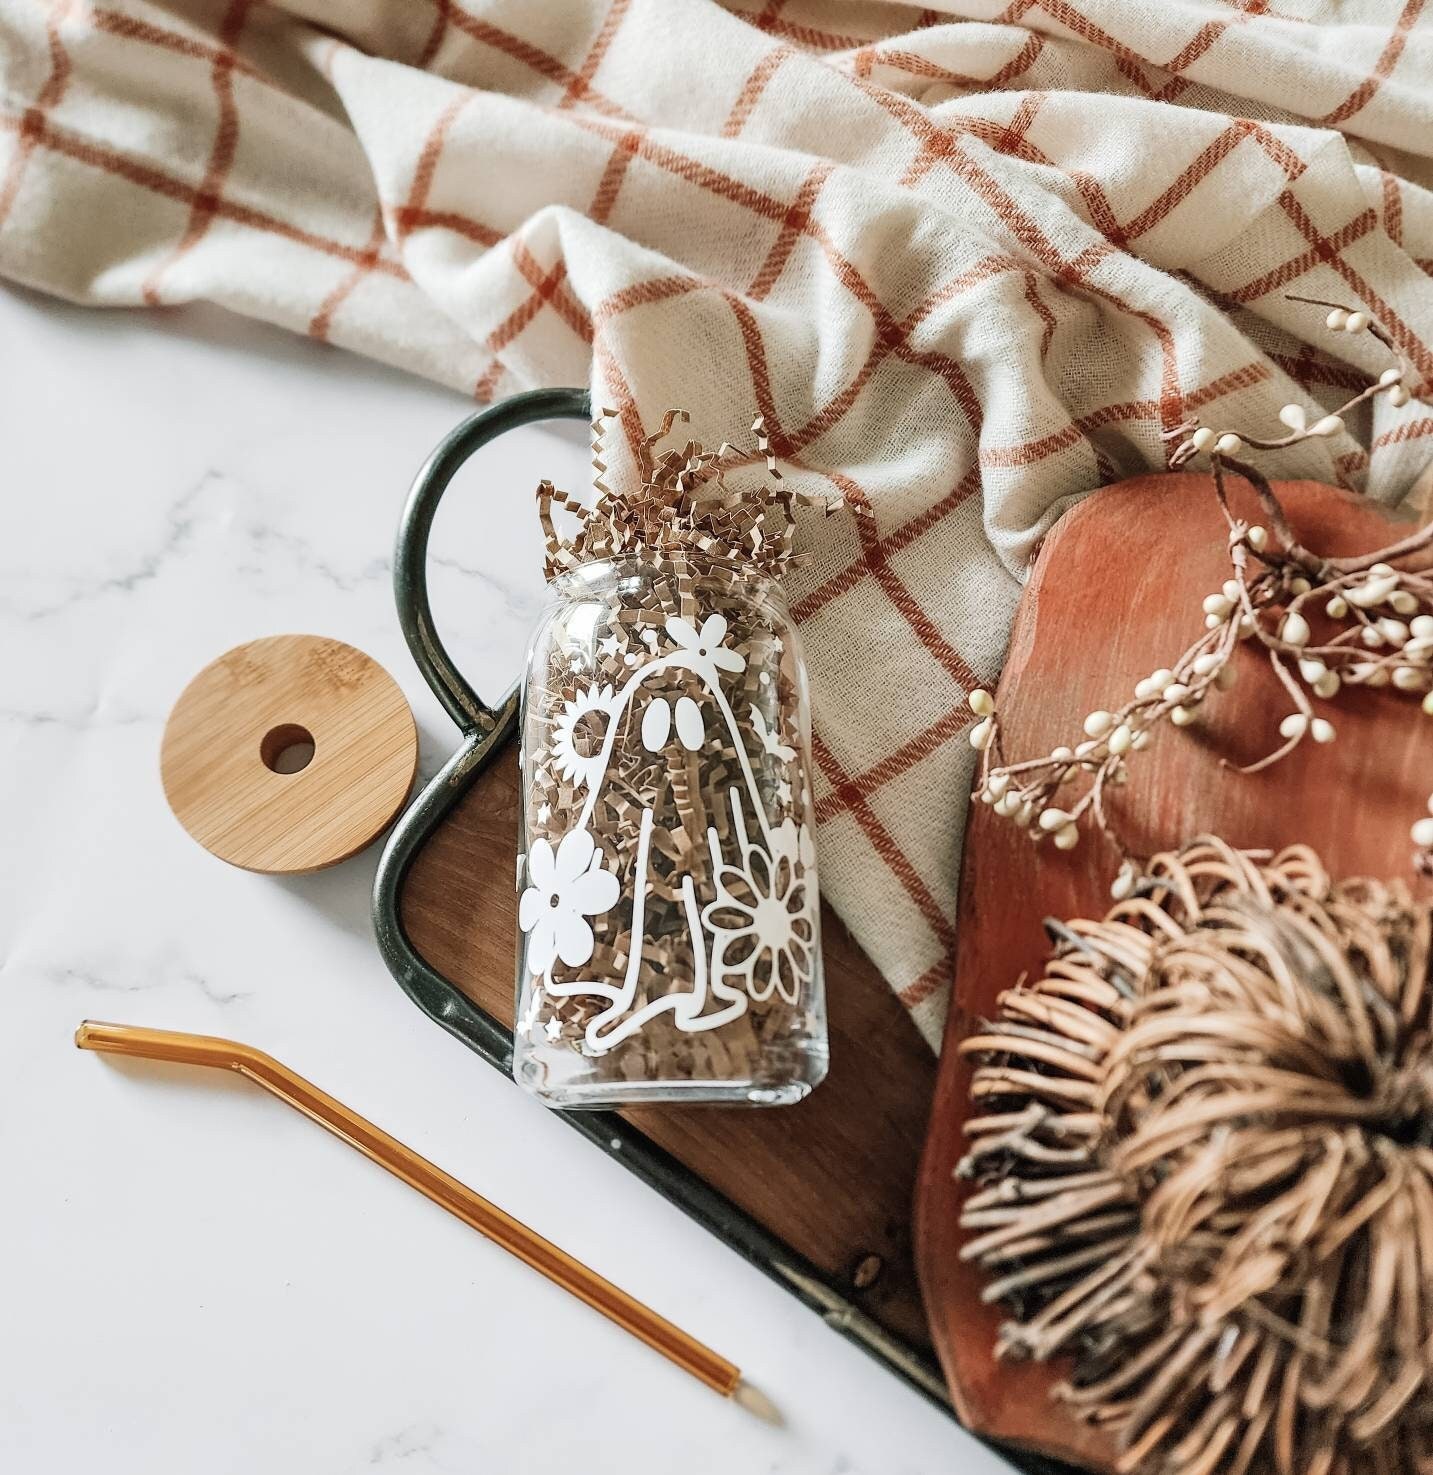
968, 263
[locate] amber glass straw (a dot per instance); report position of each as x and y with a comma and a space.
460, 1200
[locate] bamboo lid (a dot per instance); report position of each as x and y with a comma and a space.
289, 754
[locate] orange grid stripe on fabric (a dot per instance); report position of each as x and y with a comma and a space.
32, 124
1052, 274
204, 207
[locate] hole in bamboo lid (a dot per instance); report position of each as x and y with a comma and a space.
287, 748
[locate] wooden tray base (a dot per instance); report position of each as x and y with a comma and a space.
817, 1195
832, 1177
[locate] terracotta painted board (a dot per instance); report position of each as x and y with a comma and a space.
833, 1177
1115, 594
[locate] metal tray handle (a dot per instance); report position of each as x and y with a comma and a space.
484, 729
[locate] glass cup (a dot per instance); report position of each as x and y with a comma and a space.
669, 943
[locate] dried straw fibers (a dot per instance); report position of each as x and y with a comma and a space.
1203, 1169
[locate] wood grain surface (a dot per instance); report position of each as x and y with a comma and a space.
241, 712
832, 1176
1116, 594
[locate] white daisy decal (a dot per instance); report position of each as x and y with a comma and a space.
763, 921
579, 733
565, 889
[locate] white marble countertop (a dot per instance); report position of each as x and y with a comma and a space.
192, 1278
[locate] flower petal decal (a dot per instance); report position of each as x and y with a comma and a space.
566, 889
542, 865
690, 727
786, 840
704, 646
574, 940
574, 855
683, 632
656, 724
594, 891
529, 907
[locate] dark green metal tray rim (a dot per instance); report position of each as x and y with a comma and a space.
484, 733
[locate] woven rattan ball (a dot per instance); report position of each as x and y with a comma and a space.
1203, 1169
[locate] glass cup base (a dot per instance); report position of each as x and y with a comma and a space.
576, 1095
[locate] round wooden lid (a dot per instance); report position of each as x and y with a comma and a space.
289, 754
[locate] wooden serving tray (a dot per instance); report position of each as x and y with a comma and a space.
1114, 595
817, 1195
832, 1178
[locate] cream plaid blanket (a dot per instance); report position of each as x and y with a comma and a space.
967, 261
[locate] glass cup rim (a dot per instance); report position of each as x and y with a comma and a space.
762, 585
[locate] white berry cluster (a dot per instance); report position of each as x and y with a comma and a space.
1341, 320
1423, 829
1423, 839
1023, 792
1194, 438
1386, 637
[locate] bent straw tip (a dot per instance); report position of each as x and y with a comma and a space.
754, 1401
97, 1034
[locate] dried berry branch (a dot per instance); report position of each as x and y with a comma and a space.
1323, 624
